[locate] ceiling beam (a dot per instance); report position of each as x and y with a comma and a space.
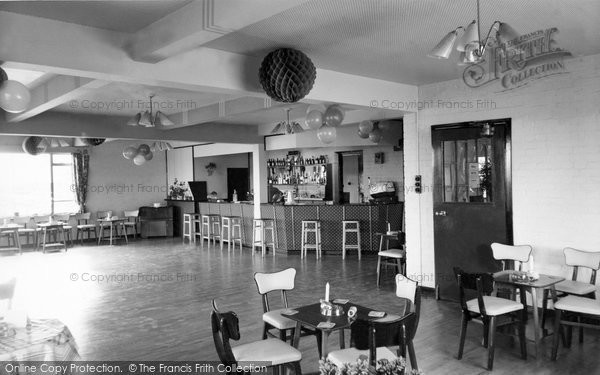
54, 92
198, 23
60, 124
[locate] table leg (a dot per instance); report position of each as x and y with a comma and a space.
296, 339
342, 339
111, 234
536, 322
124, 228
324, 338
101, 234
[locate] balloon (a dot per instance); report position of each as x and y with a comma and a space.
316, 107
375, 136
384, 125
363, 135
144, 149
139, 160
334, 115
365, 127
149, 156
314, 119
14, 96
130, 152
327, 134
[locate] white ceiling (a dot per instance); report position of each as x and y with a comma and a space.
382, 39
389, 39
124, 16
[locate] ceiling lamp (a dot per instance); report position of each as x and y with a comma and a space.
471, 46
148, 120
287, 127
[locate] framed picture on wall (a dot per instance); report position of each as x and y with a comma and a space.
379, 158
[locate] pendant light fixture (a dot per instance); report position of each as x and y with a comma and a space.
287, 127
149, 120
471, 47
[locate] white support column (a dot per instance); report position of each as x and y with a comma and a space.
259, 177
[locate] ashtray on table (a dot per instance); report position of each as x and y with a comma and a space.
330, 309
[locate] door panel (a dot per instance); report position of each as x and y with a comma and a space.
471, 199
238, 180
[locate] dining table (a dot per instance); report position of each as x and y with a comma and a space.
113, 223
310, 316
53, 229
47, 340
532, 286
11, 229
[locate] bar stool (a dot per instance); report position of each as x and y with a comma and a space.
187, 228
350, 226
196, 220
211, 228
236, 223
262, 226
227, 231
311, 226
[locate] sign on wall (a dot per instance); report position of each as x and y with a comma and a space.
520, 61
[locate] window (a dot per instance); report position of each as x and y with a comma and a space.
40, 184
468, 170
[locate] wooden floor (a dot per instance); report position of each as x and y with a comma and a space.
154, 304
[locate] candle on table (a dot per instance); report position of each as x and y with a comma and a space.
327, 292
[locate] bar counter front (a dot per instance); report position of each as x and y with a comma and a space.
373, 219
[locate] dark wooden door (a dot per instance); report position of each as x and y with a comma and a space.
471, 199
238, 179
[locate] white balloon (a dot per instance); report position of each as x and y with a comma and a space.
14, 96
316, 107
314, 119
139, 159
327, 134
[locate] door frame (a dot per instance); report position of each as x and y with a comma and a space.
507, 123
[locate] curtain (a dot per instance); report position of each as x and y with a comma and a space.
81, 167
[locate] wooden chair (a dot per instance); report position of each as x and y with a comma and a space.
574, 311
132, 221
7, 292
512, 257
282, 281
225, 326
39, 219
28, 230
390, 331
492, 312
579, 260
84, 226
67, 227
102, 226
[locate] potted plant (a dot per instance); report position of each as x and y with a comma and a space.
178, 189
361, 367
210, 168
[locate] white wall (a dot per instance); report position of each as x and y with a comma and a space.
180, 164
117, 184
218, 180
556, 169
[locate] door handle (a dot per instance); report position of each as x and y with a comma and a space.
440, 213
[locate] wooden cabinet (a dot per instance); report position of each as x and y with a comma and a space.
156, 221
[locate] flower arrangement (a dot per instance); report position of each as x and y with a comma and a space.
361, 367
178, 189
210, 168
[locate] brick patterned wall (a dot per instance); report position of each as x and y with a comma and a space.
556, 160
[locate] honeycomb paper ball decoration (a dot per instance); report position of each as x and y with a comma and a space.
287, 75
92, 141
3, 76
34, 145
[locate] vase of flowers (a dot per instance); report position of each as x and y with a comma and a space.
178, 189
361, 367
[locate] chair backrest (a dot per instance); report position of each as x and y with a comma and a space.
61, 217
520, 253
7, 291
579, 258
370, 334
410, 291
83, 218
41, 219
23, 220
103, 214
131, 214
482, 283
273, 281
225, 326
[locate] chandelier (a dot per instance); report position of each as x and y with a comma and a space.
150, 120
471, 47
287, 127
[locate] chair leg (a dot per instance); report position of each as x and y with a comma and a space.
492, 342
557, 329
412, 355
544, 308
378, 270
522, 339
265, 330
486, 331
580, 331
282, 335
463, 334
297, 368
319, 340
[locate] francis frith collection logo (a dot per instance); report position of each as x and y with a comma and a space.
518, 62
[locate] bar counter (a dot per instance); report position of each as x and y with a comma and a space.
288, 218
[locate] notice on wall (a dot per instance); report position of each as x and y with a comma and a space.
473, 176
